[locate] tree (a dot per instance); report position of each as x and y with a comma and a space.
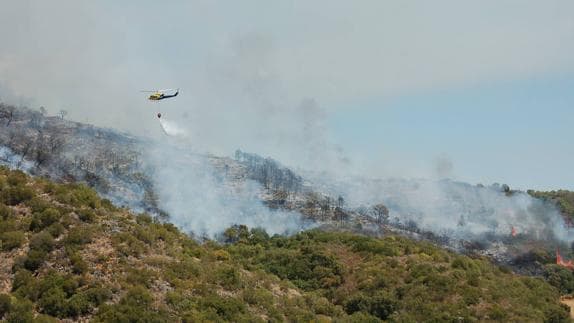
43, 111
63, 113
340, 201
325, 207
341, 215
381, 213
7, 112
36, 120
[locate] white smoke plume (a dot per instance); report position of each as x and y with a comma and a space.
247, 72
171, 128
457, 210
14, 161
201, 200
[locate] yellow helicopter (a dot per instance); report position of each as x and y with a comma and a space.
162, 94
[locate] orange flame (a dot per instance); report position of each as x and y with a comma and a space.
513, 232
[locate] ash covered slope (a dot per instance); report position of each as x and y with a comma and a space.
51, 146
202, 193
66, 254
205, 194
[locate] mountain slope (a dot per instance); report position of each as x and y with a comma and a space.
154, 176
68, 254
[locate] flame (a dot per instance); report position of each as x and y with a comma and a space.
513, 232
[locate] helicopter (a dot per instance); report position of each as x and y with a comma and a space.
161, 94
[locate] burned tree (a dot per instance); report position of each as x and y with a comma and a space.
381, 213
63, 113
7, 113
325, 207
269, 173
341, 215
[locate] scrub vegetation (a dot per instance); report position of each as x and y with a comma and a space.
67, 254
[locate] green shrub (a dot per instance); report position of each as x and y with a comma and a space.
133, 307
44, 219
54, 302
258, 296
144, 219
78, 195
560, 277
228, 277
128, 245
5, 304
38, 204
34, 259
87, 215
17, 195
308, 269
11, 225
42, 241
227, 308
17, 178
6, 212
141, 277
79, 235
20, 311
380, 305
79, 266
12, 240
182, 270
56, 230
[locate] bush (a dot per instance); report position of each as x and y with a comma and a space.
17, 195
133, 307
53, 302
560, 277
79, 236
20, 311
56, 230
144, 219
379, 305
78, 195
309, 268
87, 215
17, 178
227, 308
38, 204
5, 304
228, 277
44, 219
34, 259
42, 241
12, 240
5, 212
79, 266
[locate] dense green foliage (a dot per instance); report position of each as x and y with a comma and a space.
398, 279
564, 200
74, 256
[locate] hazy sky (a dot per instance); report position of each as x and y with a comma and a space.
392, 88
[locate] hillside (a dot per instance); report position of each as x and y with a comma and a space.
153, 176
67, 254
562, 198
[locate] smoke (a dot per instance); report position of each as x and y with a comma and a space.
204, 201
172, 129
455, 209
14, 161
443, 167
252, 79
